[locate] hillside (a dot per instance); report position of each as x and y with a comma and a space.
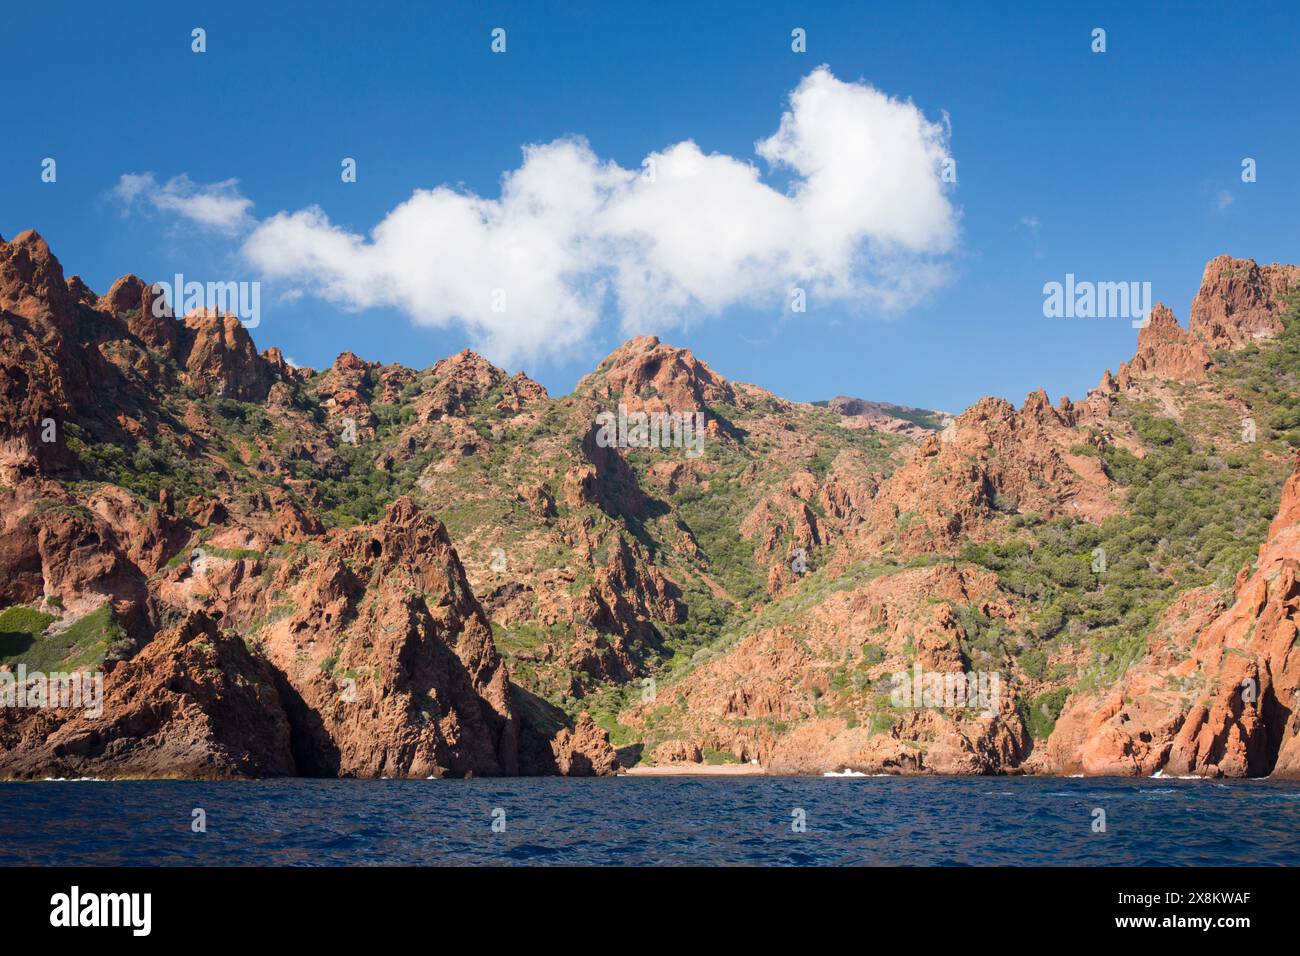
371, 570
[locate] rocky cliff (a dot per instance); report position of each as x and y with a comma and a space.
237, 634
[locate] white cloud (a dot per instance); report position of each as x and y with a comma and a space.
216, 206
443, 256
865, 224
1223, 200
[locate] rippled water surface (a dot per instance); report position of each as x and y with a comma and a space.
637, 821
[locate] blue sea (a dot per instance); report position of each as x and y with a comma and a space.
754, 821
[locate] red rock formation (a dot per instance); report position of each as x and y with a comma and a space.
40, 380
991, 460
393, 673
294, 523
784, 523
458, 382
770, 697
677, 751
80, 292
136, 302
647, 374
1241, 729
585, 750
82, 559
343, 395
31, 280
1240, 301
1166, 351
220, 358
148, 536
382, 658
432, 695
193, 703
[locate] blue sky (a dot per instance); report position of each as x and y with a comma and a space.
1117, 166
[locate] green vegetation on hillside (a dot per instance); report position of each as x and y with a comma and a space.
1195, 515
25, 638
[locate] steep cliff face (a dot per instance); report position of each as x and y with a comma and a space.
194, 703
389, 660
1215, 690
42, 376
1241, 302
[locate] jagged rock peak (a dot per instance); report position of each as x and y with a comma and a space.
1241, 301
31, 278
648, 369
1166, 350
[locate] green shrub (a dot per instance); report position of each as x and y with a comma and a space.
1041, 714
20, 629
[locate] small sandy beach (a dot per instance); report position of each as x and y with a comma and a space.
697, 770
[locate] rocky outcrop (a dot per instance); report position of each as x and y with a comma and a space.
584, 751
194, 703
220, 358
388, 659
1242, 725
343, 395
992, 461
457, 383
1166, 351
677, 751
146, 312
600, 565
32, 285
644, 372
788, 525
1240, 301
52, 546
40, 382
81, 560
1128, 729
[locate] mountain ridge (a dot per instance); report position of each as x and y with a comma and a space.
196, 486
